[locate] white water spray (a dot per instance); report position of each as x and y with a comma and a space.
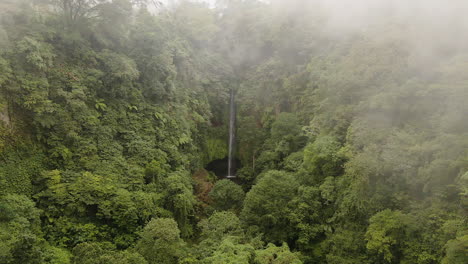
232, 135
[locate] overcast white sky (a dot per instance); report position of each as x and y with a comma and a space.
345, 13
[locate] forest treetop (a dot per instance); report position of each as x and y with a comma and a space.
352, 132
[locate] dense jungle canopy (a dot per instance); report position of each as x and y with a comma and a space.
351, 124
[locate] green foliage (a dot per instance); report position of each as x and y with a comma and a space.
217, 227
55, 255
180, 200
160, 241
346, 246
322, 158
231, 251
286, 138
294, 161
227, 195
18, 167
155, 171
100, 253
251, 137
352, 143
19, 208
266, 205
307, 216
36, 53
456, 250
94, 195
385, 234
21, 240
286, 127
216, 149
276, 255
463, 183
6, 71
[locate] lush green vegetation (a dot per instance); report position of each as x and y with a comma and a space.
353, 145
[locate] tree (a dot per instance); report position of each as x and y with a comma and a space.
231, 251
221, 224
214, 229
385, 235
352, 141
227, 195
267, 205
160, 241
456, 251
20, 237
276, 255
56, 255
322, 159
345, 246
286, 127
180, 200
101, 253
74, 11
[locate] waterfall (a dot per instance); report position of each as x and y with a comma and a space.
232, 135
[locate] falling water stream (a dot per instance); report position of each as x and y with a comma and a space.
232, 135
